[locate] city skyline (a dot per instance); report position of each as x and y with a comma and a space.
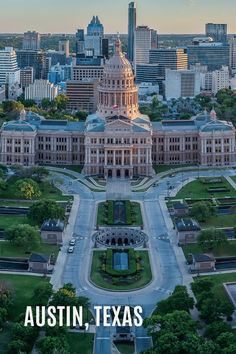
66, 16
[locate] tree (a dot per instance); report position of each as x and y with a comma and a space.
24, 236
179, 300
60, 102
202, 285
3, 316
226, 339
39, 173
12, 106
53, 345
81, 115
209, 238
202, 210
26, 334
42, 293
46, 103
44, 210
185, 116
16, 346
213, 330
27, 188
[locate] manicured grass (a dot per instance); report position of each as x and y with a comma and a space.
97, 277
225, 250
101, 215
125, 348
16, 204
10, 220
47, 191
81, 343
8, 250
220, 221
23, 289
218, 280
75, 168
164, 168
196, 190
5, 338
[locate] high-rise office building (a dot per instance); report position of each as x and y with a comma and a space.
131, 28
64, 46
147, 73
232, 44
9, 71
105, 47
181, 83
174, 59
41, 89
26, 76
154, 39
82, 95
142, 45
34, 58
31, 40
214, 55
93, 39
79, 41
217, 31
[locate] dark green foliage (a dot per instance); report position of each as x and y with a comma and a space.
23, 235
202, 210
110, 212
209, 238
44, 210
214, 329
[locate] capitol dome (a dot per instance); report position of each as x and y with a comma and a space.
118, 94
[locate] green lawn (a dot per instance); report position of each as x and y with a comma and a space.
233, 178
81, 343
125, 347
225, 250
164, 168
8, 250
23, 288
10, 220
48, 191
196, 190
16, 204
5, 338
97, 278
220, 221
218, 280
101, 215
75, 168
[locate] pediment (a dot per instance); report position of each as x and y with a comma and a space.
119, 125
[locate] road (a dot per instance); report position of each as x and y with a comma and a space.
165, 267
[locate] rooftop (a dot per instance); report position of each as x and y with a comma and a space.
188, 225
53, 225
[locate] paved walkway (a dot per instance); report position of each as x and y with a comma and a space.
118, 189
233, 184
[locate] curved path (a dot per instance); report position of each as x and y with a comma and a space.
167, 266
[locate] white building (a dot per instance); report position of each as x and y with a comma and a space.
9, 72
142, 45
41, 89
2, 93
181, 83
220, 79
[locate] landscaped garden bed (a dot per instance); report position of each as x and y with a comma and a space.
138, 275
119, 213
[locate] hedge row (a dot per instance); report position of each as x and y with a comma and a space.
116, 272
110, 213
211, 180
128, 212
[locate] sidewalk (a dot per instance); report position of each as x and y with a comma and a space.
56, 278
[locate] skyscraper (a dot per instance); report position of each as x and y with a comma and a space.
232, 44
64, 46
131, 29
31, 40
93, 39
142, 45
9, 72
154, 39
217, 31
79, 41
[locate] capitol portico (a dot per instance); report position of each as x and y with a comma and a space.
118, 141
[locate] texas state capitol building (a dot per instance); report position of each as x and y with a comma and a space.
118, 141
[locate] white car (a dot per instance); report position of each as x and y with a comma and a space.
72, 242
70, 249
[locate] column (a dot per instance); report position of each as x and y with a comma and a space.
89, 155
123, 157
114, 157
147, 156
131, 157
97, 156
105, 157
139, 156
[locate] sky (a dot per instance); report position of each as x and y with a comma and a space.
65, 16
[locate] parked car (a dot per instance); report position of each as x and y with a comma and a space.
70, 249
172, 175
72, 242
